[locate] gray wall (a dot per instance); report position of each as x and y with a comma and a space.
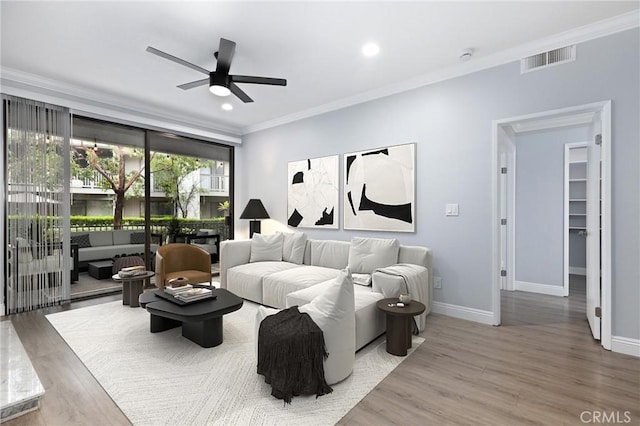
451, 123
540, 203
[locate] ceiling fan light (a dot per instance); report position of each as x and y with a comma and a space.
370, 49
219, 90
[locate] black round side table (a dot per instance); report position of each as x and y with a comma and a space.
132, 287
399, 323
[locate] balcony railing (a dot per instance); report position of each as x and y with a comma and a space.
212, 183
93, 182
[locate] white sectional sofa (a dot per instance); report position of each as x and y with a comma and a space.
303, 268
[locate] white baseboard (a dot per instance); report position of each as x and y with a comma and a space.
575, 270
625, 345
552, 290
462, 312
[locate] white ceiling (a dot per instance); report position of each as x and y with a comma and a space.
99, 47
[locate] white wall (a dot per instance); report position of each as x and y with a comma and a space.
540, 203
451, 124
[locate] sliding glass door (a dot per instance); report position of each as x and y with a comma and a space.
193, 181
127, 181
80, 192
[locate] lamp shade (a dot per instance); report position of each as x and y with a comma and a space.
254, 210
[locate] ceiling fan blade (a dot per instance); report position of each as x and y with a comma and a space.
193, 84
176, 60
239, 93
258, 80
225, 55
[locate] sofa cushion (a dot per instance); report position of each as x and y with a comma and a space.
108, 252
330, 254
293, 246
246, 280
277, 285
121, 237
370, 321
333, 312
82, 240
136, 238
101, 238
368, 254
265, 248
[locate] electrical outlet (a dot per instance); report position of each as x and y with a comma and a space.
437, 282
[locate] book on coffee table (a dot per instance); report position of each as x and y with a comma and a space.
179, 289
194, 294
186, 300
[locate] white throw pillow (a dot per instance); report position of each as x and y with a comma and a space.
293, 246
334, 312
335, 302
368, 254
266, 248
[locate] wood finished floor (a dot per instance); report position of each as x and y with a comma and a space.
540, 367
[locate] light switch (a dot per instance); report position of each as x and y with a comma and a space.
451, 210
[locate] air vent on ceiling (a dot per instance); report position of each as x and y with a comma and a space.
547, 59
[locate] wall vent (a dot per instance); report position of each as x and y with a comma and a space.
547, 59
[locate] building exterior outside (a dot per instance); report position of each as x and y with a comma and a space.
89, 198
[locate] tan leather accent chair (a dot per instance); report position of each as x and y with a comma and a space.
182, 260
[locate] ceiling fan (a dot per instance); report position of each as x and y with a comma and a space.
220, 82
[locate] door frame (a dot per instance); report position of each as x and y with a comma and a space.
550, 119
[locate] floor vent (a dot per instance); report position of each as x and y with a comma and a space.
547, 59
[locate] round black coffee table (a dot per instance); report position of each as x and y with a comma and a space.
201, 321
399, 325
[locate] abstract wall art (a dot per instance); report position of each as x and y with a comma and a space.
379, 189
313, 193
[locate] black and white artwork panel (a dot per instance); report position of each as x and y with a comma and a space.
313, 193
379, 189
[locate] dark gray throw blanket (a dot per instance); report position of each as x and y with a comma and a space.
291, 351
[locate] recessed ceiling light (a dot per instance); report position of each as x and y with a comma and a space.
227, 107
370, 49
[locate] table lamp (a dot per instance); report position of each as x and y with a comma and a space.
254, 211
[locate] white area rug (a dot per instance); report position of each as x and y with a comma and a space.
164, 378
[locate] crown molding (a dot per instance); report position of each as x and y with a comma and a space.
101, 105
582, 34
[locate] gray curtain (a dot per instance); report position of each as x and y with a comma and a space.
36, 154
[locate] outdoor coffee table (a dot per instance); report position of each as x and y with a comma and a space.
132, 287
201, 321
100, 270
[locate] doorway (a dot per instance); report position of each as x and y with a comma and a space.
596, 117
